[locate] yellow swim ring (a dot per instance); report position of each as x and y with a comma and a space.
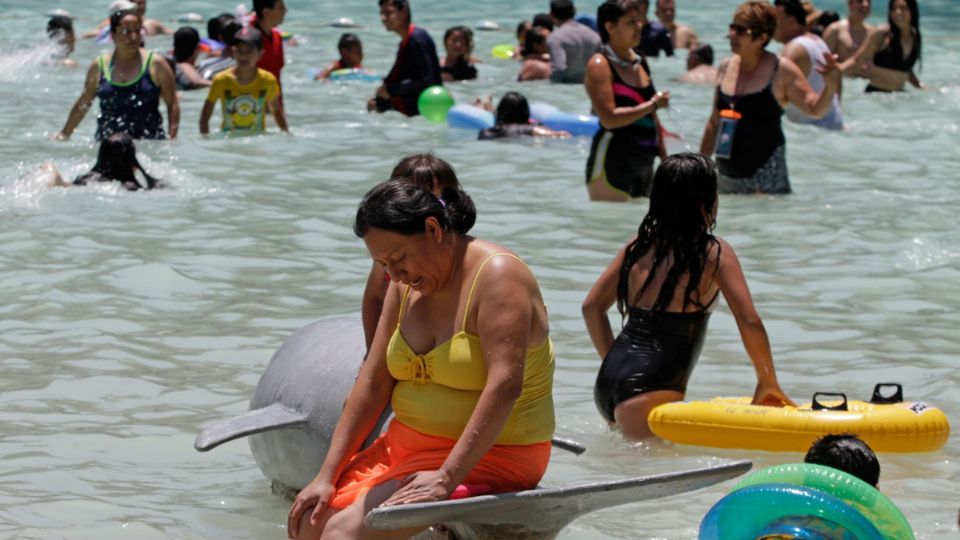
886, 424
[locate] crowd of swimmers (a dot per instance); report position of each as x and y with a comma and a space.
458, 324
607, 53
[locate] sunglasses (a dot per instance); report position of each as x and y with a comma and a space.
740, 29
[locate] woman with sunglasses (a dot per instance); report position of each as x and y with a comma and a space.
130, 85
754, 86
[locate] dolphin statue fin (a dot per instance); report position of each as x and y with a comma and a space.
268, 418
549, 510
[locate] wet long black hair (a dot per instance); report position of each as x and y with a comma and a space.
895, 46
678, 225
401, 206
116, 160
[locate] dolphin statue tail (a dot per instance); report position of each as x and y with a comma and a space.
268, 418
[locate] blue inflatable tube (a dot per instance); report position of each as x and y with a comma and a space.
469, 117
346, 74
754, 511
578, 125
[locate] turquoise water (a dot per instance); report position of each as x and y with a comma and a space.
129, 321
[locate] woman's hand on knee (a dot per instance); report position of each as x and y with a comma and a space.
424, 486
315, 498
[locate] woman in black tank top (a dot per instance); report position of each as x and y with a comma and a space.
744, 129
666, 281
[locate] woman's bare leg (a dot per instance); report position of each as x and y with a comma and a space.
348, 523
631, 415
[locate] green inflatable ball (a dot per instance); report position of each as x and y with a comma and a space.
434, 104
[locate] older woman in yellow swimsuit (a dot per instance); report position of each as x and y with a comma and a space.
463, 353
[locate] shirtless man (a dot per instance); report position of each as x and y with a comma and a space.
845, 36
683, 36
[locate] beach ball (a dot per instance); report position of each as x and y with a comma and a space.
434, 104
503, 51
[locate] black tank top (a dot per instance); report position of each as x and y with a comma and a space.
759, 132
891, 57
643, 133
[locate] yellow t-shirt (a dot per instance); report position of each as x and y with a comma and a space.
243, 107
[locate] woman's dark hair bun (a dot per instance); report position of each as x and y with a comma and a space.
398, 205
459, 209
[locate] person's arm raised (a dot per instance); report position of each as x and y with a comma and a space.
504, 297
83, 103
602, 295
369, 396
599, 86
792, 86
733, 285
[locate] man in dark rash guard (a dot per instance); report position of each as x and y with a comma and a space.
416, 67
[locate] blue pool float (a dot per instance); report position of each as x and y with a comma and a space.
346, 74
750, 512
578, 125
465, 116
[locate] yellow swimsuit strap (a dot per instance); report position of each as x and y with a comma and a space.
473, 287
476, 277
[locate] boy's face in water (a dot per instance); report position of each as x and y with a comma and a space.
246, 55
352, 55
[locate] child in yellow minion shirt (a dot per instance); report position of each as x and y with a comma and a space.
245, 92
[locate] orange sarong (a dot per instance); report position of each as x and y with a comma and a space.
403, 450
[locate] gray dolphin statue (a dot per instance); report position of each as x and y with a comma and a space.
298, 400
295, 408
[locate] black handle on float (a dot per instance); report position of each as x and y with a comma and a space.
817, 406
897, 396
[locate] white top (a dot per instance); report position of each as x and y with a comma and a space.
815, 48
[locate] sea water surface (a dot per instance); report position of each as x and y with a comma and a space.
128, 321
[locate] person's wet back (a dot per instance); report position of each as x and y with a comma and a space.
666, 281
416, 67
700, 69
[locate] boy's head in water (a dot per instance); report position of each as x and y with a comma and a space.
351, 50
60, 30
848, 453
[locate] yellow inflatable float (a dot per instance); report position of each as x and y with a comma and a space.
887, 424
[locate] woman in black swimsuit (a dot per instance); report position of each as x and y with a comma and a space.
620, 165
666, 280
754, 85
458, 65
888, 55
